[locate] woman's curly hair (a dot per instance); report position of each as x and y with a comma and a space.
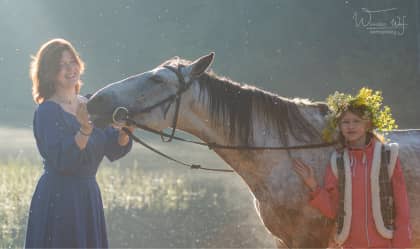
45, 66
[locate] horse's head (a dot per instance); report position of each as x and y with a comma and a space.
151, 92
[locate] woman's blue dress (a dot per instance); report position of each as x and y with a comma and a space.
66, 209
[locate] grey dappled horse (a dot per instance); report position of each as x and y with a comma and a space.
217, 109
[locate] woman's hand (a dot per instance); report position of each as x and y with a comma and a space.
131, 128
82, 116
123, 137
305, 172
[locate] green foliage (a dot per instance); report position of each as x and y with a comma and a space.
367, 101
133, 188
154, 208
122, 189
17, 182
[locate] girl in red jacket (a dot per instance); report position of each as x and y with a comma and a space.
369, 205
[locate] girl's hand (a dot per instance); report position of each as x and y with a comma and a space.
82, 116
305, 172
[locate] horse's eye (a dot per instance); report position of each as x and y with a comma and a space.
157, 79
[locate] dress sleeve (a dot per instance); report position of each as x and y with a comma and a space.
325, 199
402, 233
113, 150
56, 142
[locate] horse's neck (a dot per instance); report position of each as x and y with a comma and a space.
195, 118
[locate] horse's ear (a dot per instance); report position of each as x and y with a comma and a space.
199, 66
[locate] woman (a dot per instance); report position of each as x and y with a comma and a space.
66, 209
355, 187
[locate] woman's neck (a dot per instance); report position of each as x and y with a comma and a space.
65, 96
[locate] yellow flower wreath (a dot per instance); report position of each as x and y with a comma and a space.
367, 100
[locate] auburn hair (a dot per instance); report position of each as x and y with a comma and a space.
45, 66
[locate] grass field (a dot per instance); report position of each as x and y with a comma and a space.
148, 203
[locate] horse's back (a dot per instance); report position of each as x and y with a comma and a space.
409, 142
405, 137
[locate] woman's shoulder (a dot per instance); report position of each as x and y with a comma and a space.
47, 108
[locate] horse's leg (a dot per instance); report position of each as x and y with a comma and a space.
270, 221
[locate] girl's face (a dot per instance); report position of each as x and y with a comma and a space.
354, 128
69, 71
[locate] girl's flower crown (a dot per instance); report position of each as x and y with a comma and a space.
369, 103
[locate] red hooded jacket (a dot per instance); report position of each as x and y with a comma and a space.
363, 232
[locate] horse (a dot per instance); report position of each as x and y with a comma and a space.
189, 96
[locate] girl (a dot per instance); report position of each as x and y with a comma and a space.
354, 187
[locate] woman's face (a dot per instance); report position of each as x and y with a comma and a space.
69, 71
354, 128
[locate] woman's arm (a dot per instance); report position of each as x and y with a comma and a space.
56, 143
123, 138
117, 144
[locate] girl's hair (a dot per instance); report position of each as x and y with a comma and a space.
361, 113
45, 66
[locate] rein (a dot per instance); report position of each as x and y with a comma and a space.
190, 165
212, 146
122, 114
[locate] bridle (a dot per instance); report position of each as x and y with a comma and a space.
122, 114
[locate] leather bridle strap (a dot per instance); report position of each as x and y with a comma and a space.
209, 145
191, 166
212, 146
183, 86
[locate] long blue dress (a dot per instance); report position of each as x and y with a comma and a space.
66, 209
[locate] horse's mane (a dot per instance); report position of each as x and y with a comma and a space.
232, 103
